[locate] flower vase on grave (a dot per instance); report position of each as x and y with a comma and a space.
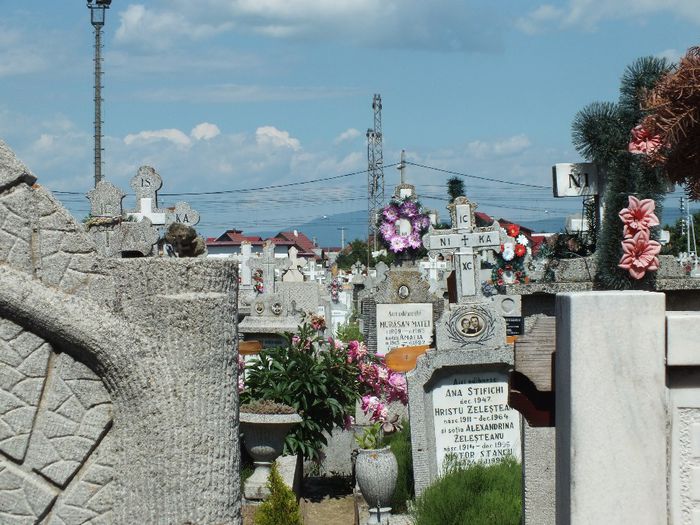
376, 471
509, 277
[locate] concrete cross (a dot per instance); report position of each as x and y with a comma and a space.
146, 184
466, 242
182, 213
268, 263
244, 259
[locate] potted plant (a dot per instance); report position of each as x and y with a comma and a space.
265, 425
376, 471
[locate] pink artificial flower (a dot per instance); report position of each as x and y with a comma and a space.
643, 143
381, 414
391, 213
639, 215
398, 244
369, 403
414, 240
296, 340
409, 209
241, 383
388, 230
640, 254
382, 373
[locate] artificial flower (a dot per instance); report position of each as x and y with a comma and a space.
520, 250
348, 422
391, 213
508, 251
513, 230
414, 240
398, 243
643, 142
521, 239
388, 230
409, 209
640, 254
639, 215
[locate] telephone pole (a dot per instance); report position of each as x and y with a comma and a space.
375, 176
97, 18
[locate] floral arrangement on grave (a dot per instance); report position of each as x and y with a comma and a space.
402, 225
621, 140
639, 252
510, 261
322, 379
334, 289
258, 284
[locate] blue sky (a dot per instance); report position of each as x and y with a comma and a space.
239, 94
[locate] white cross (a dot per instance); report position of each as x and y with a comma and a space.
145, 210
463, 241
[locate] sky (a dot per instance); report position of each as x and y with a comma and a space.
230, 95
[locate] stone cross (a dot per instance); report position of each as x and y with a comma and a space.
268, 263
182, 213
466, 242
246, 270
294, 261
311, 269
105, 200
146, 184
357, 268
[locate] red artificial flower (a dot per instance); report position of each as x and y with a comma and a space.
512, 230
520, 250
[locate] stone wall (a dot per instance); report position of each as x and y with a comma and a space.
117, 376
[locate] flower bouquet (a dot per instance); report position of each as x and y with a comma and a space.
258, 284
510, 261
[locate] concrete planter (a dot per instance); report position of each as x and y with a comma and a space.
376, 472
263, 436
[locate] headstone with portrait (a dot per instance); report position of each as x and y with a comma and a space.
458, 392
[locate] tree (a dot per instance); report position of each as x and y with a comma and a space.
357, 250
601, 133
455, 188
679, 242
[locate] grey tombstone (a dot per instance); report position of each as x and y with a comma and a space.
458, 391
293, 274
146, 184
105, 217
135, 238
105, 200
183, 213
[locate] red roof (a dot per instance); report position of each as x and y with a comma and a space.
235, 237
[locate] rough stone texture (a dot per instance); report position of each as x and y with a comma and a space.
611, 408
539, 504
159, 334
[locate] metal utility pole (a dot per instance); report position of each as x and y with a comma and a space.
97, 18
342, 237
375, 175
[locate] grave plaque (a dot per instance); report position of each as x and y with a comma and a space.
407, 324
472, 419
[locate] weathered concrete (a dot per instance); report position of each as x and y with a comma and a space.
120, 374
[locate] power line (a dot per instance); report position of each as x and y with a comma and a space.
477, 177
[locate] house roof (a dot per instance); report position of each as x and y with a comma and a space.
235, 237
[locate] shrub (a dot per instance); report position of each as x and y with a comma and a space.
280, 507
473, 495
349, 332
400, 443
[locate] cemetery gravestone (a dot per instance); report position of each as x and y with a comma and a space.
458, 392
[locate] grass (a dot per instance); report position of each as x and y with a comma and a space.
473, 495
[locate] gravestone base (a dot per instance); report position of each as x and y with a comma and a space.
290, 470
379, 515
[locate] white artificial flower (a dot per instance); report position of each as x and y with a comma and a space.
529, 250
521, 239
508, 251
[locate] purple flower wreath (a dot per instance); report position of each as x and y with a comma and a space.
409, 213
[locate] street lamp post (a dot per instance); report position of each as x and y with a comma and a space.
97, 17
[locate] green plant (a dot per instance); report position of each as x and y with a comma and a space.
281, 507
473, 495
455, 188
371, 438
601, 133
349, 332
314, 377
400, 443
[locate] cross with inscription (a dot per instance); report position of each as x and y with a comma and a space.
146, 184
268, 263
466, 242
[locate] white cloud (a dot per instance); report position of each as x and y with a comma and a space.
205, 131
348, 134
270, 136
673, 55
587, 14
161, 28
499, 148
451, 25
175, 136
19, 55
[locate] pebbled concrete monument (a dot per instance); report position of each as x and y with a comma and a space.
118, 401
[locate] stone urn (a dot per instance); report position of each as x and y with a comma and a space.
376, 471
263, 436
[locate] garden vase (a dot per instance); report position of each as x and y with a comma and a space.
263, 436
376, 471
